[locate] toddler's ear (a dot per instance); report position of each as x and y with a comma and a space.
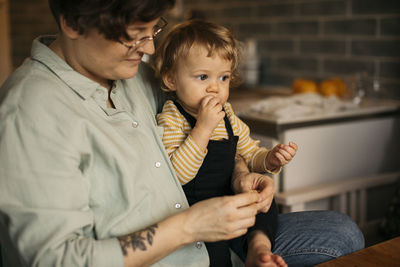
169, 81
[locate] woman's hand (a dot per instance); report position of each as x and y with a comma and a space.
221, 218
245, 181
264, 185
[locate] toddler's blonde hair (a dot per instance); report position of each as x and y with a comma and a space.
217, 39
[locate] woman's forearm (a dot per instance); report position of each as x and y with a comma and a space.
211, 220
150, 245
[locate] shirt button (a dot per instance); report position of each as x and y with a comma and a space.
114, 91
157, 164
101, 94
135, 124
177, 206
198, 245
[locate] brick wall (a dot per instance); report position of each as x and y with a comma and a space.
296, 38
28, 19
316, 39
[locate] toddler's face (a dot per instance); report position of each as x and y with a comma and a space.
198, 76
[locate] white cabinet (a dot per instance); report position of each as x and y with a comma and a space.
335, 151
341, 150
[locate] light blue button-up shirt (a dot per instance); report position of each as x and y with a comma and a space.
75, 174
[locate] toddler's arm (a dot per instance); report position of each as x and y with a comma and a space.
187, 151
254, 155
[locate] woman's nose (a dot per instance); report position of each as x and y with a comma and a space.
147, 48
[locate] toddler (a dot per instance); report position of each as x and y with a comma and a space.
198, 62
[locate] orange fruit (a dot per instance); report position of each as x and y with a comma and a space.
333, 86
304, 86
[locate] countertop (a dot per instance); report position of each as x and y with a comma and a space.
243, 99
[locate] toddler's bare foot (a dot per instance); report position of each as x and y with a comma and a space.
259, 253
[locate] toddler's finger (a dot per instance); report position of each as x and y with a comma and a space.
286, 154
206, 100
213, 101
290, 150
293, 145
280, 158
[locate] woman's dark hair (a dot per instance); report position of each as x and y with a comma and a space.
109, 17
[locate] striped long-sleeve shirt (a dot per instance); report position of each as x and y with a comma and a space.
185, 154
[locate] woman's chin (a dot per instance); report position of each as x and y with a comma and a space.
129, 73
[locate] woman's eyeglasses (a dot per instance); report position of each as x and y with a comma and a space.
156, 31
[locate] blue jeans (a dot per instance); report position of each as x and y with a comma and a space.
312, 237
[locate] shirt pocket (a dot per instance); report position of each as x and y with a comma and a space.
160, 131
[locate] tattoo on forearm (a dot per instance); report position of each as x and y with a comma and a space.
137, 240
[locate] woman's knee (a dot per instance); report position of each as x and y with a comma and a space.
348, 232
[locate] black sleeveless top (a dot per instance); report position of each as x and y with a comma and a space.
213, 180
215, 174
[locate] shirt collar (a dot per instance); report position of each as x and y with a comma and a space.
82, 85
